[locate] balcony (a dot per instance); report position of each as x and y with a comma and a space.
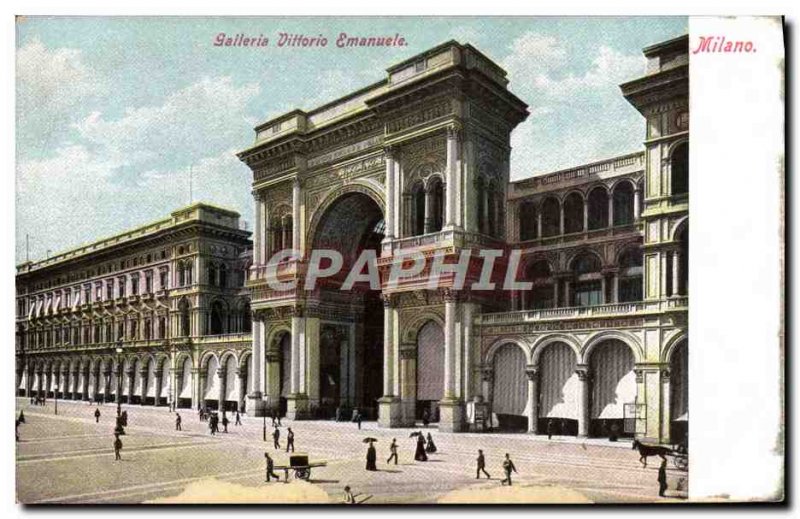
639, 308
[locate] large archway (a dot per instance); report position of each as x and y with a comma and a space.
430, 370
510, 390
559, 388
351, 224
613, 387
679, 393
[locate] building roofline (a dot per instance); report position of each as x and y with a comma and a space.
658, 48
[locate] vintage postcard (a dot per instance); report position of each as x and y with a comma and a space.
418, 260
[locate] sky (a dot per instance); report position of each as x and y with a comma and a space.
113, 113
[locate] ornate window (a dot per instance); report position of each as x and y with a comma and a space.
623, 204
598, 208
573, 213
551, 216
527, 221
630, 276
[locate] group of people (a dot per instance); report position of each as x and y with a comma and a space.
276, 438
38, 400
425, 446
213, 419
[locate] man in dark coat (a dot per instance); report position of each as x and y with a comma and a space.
178, 422
372, 457
393, 450
508, 468
224, 422
289, 439
271, 468
358, 420
662, 477
419, 454
117, 448
276, 436
551, 427
481, 466
97, 416
238, 418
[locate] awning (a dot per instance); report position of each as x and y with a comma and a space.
76, 300
683, 418
31, 309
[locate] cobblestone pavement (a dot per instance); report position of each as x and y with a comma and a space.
68, 458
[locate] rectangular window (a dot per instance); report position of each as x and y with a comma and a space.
109, 290
162, 279
148, 283
135, 286
587, 293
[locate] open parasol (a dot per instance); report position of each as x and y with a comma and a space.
369, 440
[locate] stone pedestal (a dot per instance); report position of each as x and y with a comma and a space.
390, 412
451, 415
256, 406
297, 407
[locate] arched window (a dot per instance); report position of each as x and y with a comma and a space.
162, 326
598, 208
247, 324
630, 276
223, 276
587, 289
573, 213
551, 217
181, 275
418, 210
436, 189
148, 329
542, 294
184, 312
212, 274
623, 204
217, 319
679, 166
189, 270
527, 221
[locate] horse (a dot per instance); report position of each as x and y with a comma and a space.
649, 450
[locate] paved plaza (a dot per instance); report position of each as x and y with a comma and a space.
68, 458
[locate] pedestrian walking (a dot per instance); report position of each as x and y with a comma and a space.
124, 418
431, 447
224, 423
508, 468
212, 427
358, 420
372, 457
276, 436
481, 466
97, 416
419, 454
551, 426
270, 468
289, 439
238, 418
662, 477
426, 418
117, 448
178, 422
393, 450
273, 415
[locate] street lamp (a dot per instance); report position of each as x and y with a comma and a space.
119, 377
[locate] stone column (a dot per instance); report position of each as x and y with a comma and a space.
273, 381
561, 219
450, 179
258, 237
221, 374
567, 292
539, 223
39, 375
241, 377
586, 215
428, 221
389, 413
197, 400
615, 287
145, 380
158, 381
390, 194
450, 407
485, 406
408, 384
75, 383
636, 195
666, 409
532, 372
107, 387
663, 258
611, 209
676, 272
296, 227
256, 404
96, 385
297, 401
584, 388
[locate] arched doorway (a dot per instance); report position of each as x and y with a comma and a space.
185, 384
211, 386
351, 224
430, 370
613, 387
679, 394
558, 390
510, 389
285, 348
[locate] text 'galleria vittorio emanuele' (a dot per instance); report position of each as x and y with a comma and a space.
180, 312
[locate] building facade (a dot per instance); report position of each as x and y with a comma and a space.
158, 315
595, 345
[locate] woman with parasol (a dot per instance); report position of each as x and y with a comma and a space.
372, 455
419, 454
